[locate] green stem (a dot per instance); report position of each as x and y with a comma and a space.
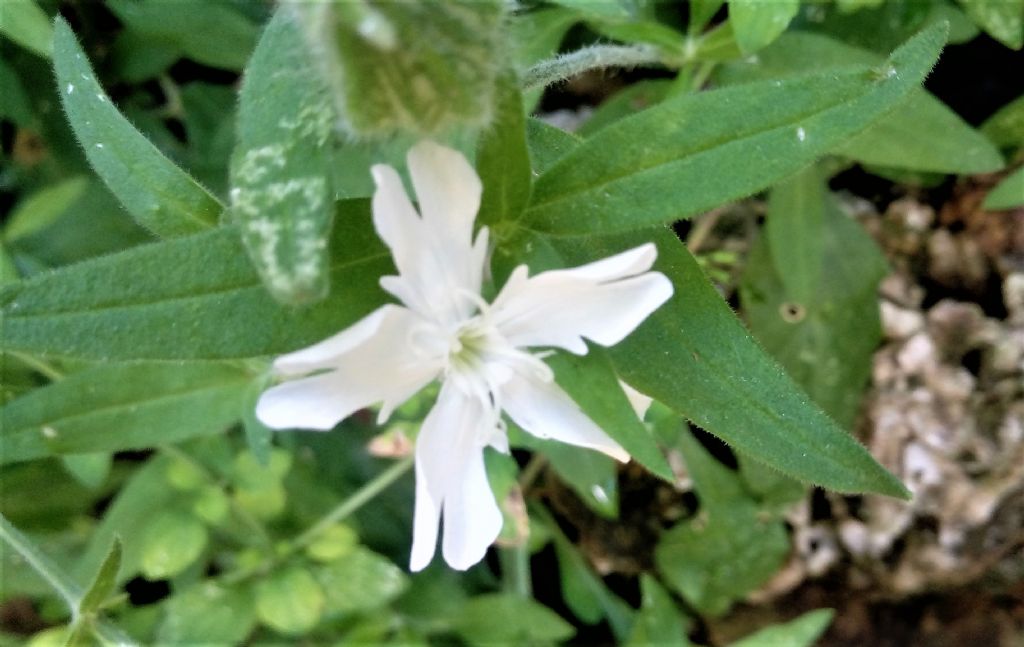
595, 57
361, 497
515, 570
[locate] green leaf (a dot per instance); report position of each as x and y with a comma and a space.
905, 138
289, 601
1001, 19
26, 24
600, 9
694, 356
281, 196
1006, 127
659, 622
207, 614
123, 406
104, 583
585, 593
757, 23
547, 144
624, 103
359, 581
701, 13
144, 495
771, 488
525, 621
336, 541
91, 470
1009, 193
879, 29
218, 35
192, 298
668, 40
801, 632
729, 549
809, 293
502, 159
39, 210
171, 542
136, 57
158, 194
373, 51
850, 6
591, 382
761, 133
591, 474
14, 102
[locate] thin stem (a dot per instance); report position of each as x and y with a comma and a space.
532, 471
702, 229
361, 497
595, 57
515, 570
41, 563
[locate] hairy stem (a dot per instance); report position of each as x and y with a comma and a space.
595, 57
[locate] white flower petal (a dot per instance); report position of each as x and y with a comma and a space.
325, 353
446, 449
395, 219
368, 363
546, 411
447, 189
437, 259
628, 263
602, 301
472, 519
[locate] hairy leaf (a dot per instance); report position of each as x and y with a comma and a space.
158, 194
619, 180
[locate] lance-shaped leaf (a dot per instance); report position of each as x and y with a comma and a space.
502, 159
26, 24
281, 196
698, 151
809, 292
905, 138
193, 298
123, 406
694, 355
159, 195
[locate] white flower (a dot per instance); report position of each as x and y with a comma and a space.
444, 330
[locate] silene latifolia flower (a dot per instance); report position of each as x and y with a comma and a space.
481, 352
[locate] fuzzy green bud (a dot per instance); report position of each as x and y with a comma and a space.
422, 68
